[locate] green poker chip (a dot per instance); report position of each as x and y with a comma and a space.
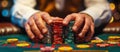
2, 42
69, 38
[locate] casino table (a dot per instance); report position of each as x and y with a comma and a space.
24, 37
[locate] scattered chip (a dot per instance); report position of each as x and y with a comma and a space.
83, 46
102, 45
97, 41
65, 49
113, 42
12, 40
114, 37
47, 49
118, 44
23, 44
2, 42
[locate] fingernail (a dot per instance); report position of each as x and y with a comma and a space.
64, 22
41, 36
32, 37
80, 34
44, 31
74, 28
49, 21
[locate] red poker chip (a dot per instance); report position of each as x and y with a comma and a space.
118, 44
29, 46
47, 49
57, 27
57, 22
111, 45
102, 45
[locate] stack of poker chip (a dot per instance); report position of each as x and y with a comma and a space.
77, 39
48, 37
113, 40
57, 32
69, 34
36, 40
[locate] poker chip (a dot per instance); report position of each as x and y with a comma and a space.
47, 39
57, 31
102, 45
97, 41
12, 40
23, 44
118, 44
2, 42
114, 37
47, 49
113, 42
69, 36
65, 49
83, 46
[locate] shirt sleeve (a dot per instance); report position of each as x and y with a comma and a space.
99, 10
22, 10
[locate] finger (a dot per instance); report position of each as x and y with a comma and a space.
90, 34
29, 32
34, 28
68, 19
85, 28
45, 16
57, 19
79, 20
40, 24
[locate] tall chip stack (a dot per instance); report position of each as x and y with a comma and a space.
78, 40
36, 40
48, 37
57, 31
69, 34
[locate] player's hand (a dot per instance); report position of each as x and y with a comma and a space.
36, 25
83, 26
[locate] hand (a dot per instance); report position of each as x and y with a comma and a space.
83, 26
36, 25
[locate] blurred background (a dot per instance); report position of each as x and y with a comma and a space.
5, 6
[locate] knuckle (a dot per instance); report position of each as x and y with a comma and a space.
44, 13
38, 22
85, 30
34, 29
74, 13
27, 29
68, 16
31, 23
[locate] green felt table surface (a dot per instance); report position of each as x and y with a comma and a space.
24, 37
